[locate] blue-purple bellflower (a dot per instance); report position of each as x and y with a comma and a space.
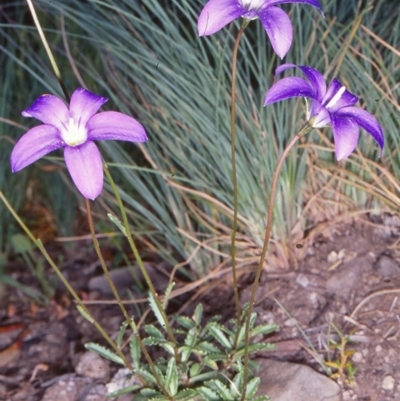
218, 13
329, 106
74, 129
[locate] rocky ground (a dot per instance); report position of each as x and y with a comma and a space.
338, 309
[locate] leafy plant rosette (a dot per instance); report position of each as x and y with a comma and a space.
209, 365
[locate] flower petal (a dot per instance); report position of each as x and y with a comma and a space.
279, 29
287, 88
86, 168
345, 133
366, 121
337, 97
313, 3
36, 143
50, 110
115, 126
216, 14
84, 104
316, 79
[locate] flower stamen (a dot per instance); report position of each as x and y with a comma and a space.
74, 134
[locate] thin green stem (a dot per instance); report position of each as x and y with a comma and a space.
234, 173
81, 305
140, 262
128, 319
303, 131
53, 63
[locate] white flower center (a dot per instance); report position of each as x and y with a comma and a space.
74, 134
336, 98
251, 4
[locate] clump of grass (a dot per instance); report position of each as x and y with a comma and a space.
147, 57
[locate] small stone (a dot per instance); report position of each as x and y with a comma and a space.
285, 381
290, 322
387, 267
342, 282
122, 379
388, 383
93, 366
357, 357
332, 257
302, 280
378, 348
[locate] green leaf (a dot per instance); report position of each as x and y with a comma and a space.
210, 363
208, 394
152, 331
195, 369
171, 377
221, 389
135, 350
153, 341
261, 398
117, 222
207, 347
185, 322
185, 353
155, 308
263, 329
202, 377
85, 314
216, 331
151, 393
121, 333
104, 352
146, 375
252, 387
126, 390
198, 314
167, 294
169, 347
242, 330
237, 383
191, 337
186, 394
255, 348
21, 243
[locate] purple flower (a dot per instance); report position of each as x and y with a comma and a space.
74, 129
333, 106
218, 13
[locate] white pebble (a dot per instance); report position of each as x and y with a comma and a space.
388, 383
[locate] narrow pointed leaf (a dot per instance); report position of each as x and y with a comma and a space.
135, 350
121, 333
171, 377
191, 337
218, 334
208, 394
263, 329
252, 387
117, 222
104, 352
155, 309
198, 314
167, 294
185, 322
221, 389
154, 332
